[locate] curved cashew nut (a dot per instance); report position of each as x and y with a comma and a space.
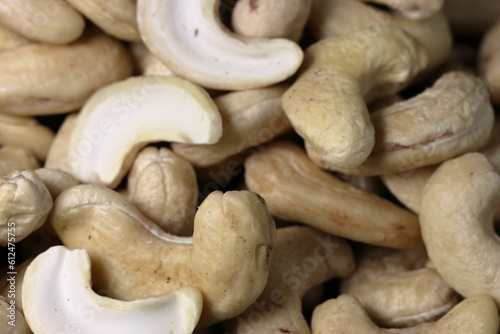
397, 289
304, 258
474, 315
57, 291
451, 118
456, 218
327, 103
163, 186
48, 21
296, 189
271, 18
117, 18
249, 118
147, 109
10, 40
230, 250
489, 61
190, 39
414, 9
16, 158
12, 320
25, 204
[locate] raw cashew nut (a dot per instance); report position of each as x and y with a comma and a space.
115, 17
456, 218
295, 189
474, 315
57, 290
146, 109
303, 259
16, 158
327, 103
190, 39
47, 21
12, 321
163, 186
451, 118
271, 18
25, 204
489, 61
56, 180
10, 40
228, 257
249, 118
414, 9
397, 289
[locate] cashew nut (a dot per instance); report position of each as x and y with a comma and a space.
414, 9
295, 189
190, 39
16, 158
57, 157
229, 253
489, 61
57, 291
56, 180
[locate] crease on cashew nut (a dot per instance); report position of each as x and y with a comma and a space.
57, 287
15, 286
10, 40
152, 108
48, 21
271, 18
230, 251
117, 18
191, 40
8, 318
489, 61
26, 132
471, 17
56, 180
474, 315
295, 189
456, 219
163, 186
338, 17
340, 75
14, 157
397, 289
413, 9
303, 259
40, 79
249, 118
25, 204
452, 117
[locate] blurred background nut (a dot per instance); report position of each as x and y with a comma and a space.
489, 61
14, 157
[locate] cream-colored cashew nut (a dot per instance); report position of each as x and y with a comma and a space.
10, 40
146, 109
340, 75
25, 204
456, 218
397, 289
295, 189
414, 9
190, 39
39, 79
303, 259
474, 315
12, 320
163, 186
48, 21
249, 118
271, 18
228, 257
58, 296
489, 61
16, 158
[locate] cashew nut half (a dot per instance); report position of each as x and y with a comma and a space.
190, 39
147, 109
456, 218
58, 297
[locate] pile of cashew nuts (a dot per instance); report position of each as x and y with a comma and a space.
249, 166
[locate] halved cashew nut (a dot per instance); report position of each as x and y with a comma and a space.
57, 291
456, 218
489, 61
228, 257
163, 186
397, 289
451, 118
48, 21
116, 17
190, 39
327, 103
345, 314
25, 204
147, 109
295, 189
303, 259
12, 321
271, 18
414, 9
16, 158
10, 40
249, 118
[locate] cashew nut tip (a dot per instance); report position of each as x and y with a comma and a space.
190, 39
57, 295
